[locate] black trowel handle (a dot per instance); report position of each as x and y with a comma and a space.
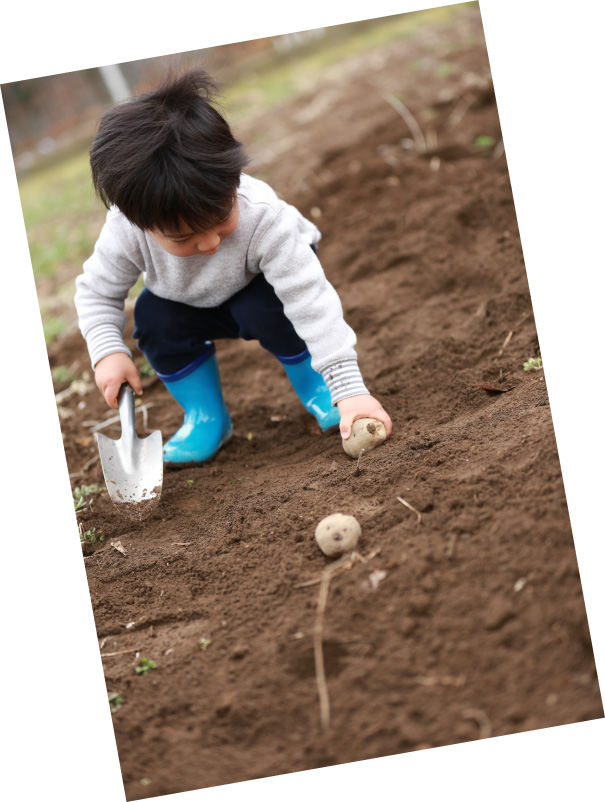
126, 397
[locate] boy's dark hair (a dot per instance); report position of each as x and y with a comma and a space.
168, 157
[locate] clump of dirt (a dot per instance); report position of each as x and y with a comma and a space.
465, 617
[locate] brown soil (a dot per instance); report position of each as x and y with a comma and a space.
465, 622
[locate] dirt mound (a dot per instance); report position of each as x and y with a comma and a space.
464, 617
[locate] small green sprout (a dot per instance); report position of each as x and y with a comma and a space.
145, 781
115, 701
62, 375
189, 481
81, 493
145, 666
444, 69
87, 490
90, 536
533, 363
205, 643
484, 141
145, 369
53, 326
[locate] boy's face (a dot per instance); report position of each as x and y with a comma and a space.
185, 242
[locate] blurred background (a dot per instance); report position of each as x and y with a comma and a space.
52, 121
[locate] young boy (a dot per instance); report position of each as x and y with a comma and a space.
221, 255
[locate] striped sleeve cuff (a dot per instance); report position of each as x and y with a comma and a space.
105, 339
344, 379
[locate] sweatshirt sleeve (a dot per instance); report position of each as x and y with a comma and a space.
310, 302
103, 286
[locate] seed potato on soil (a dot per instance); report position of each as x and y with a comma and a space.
337, 534
482, 610
366, 434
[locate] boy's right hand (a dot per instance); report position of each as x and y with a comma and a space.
110, 374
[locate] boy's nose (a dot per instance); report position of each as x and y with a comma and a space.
209, 242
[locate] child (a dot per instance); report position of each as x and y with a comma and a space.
221, 255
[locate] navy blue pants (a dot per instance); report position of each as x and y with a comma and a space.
172, 335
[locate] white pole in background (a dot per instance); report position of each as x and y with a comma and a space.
116, 82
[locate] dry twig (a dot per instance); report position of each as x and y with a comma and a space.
85, 467
459, 111
342, 564
354, 556
409, 506
483, 722
430, 681
506, 342
124, 651
116, 418
451, 546
410, 120
498, 150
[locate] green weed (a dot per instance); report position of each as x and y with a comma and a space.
61, 214
81, 493
485, 141
115, 701
444, 69
62, 375
145, 369
90, 536
53, 326
145, 666
533, 363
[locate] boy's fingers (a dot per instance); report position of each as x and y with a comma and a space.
110, 397
346, 422
134, 381
388, 425
382, 415
111, 393
345, 426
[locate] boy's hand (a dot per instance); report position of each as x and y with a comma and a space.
360, 406
111, 372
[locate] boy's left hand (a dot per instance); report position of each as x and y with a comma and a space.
361, 406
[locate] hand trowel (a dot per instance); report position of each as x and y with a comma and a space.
132, 466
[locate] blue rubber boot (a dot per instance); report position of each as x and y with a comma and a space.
310, 387
207, 425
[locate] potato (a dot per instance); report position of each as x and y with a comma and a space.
366, 433
337, 534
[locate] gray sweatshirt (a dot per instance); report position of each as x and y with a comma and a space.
272, 238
